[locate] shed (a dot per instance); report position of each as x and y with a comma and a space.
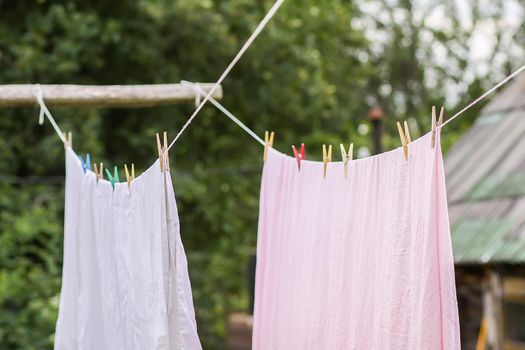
485, 176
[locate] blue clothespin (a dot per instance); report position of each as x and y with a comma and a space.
113, 178
87, 164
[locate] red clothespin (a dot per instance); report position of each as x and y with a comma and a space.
301, 155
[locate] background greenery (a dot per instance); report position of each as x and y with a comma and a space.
311, 76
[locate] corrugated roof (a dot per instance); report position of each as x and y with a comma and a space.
486, 183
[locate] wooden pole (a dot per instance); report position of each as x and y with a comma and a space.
16, 95
482, 337
375, 115
492, 309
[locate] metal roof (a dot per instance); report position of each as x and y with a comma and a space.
485, 176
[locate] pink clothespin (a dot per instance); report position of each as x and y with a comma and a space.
299, 155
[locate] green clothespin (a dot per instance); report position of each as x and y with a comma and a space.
113, 178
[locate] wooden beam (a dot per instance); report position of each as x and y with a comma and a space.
493, 309
16, 95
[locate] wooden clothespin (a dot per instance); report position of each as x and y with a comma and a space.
86, 165
347, 156
69, 140
163, 158
436, 124
301, 155
113, 179
129, 177
98, 172
327, 157
405, 138
159, 148
268, 142
166, 155
407, 133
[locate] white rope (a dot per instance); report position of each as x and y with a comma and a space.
37, 91
494, 88
245, 47
200, 91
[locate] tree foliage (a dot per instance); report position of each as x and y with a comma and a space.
311, 76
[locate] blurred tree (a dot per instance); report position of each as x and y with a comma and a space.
311, 76
443, 53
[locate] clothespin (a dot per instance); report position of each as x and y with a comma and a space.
327, 157
86, 165
301, 155
98, 172
434, 124
159, 148
113, 178
128, 177
167, 157
268, 142
407, 133
69, 140
163, 158
405, 137
347, 156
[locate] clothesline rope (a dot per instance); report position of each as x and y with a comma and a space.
208, 97
245, 47
463, 110
491, 90
44, 111
236, 59
258, 139
201, 92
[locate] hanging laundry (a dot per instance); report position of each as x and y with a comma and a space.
362, 261
125, 281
